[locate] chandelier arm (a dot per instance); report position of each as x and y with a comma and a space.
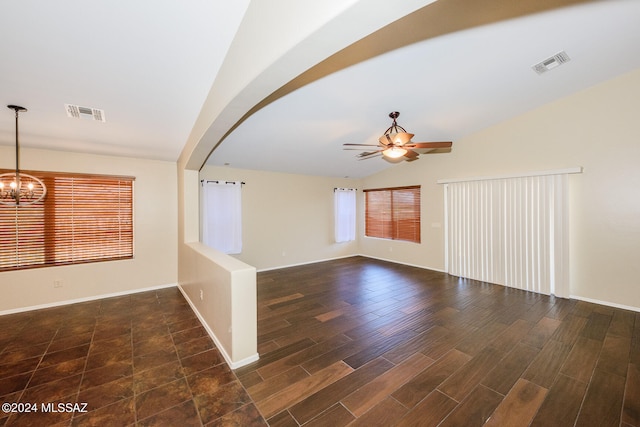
36, 189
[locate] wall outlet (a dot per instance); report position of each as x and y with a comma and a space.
57, 283
201, 295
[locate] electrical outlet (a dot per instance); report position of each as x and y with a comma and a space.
57, 283
201, 295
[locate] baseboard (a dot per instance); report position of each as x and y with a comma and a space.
403, 263
85, 299
349, 256
305, 263
606, 303
223, 351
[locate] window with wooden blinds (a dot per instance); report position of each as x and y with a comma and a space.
83, 218
393, 213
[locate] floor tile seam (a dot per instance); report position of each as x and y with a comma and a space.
38, 365
624, 393
166, 409
184, 375
584, 395
444, 393
566, 360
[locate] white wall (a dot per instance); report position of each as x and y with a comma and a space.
598, 129
286, 219
222, 291
155, 234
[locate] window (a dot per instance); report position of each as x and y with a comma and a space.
344, 202
393, 213
222, 215
83, 218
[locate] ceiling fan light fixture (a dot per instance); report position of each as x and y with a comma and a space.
395, 144
396, 138
402, 138
394, 152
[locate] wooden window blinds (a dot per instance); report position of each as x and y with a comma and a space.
393, 213
83, 218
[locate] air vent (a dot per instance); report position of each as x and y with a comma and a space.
78, 112
551, 63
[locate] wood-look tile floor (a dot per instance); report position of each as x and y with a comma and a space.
353, 341
142, 359
368, 343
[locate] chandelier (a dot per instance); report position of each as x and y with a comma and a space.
18, 188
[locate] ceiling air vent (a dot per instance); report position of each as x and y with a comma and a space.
551, 63
78, 112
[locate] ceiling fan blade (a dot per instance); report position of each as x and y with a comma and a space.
360, 145
364, 156
358, 148
411, 155
439, 144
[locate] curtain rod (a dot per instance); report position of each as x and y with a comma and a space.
219, 181
346, 189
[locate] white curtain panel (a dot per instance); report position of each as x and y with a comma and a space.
511, 231
345, 214
222, 215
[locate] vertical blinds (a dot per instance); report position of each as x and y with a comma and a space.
393, 213
511, 231
84, 218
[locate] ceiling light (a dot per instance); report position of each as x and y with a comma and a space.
394, 152
395, 143
18, 188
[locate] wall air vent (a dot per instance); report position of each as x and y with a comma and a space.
551, 63
78, 112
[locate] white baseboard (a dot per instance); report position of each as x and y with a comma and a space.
403, 263
223, 351
85, 299
349, 256
606, 303
305, 263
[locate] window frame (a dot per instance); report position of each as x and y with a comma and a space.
67, 233
389, 225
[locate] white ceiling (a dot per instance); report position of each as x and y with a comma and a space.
150, 64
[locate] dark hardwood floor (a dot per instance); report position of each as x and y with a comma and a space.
353, 341
364, 342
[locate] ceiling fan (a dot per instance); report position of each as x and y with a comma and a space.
395, 144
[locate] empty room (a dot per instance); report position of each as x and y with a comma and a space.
343, 213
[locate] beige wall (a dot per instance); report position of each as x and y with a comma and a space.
286, 219
155, 234
597, 129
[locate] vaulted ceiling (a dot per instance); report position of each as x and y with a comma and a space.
451, 68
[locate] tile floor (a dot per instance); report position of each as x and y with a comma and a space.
141, 359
